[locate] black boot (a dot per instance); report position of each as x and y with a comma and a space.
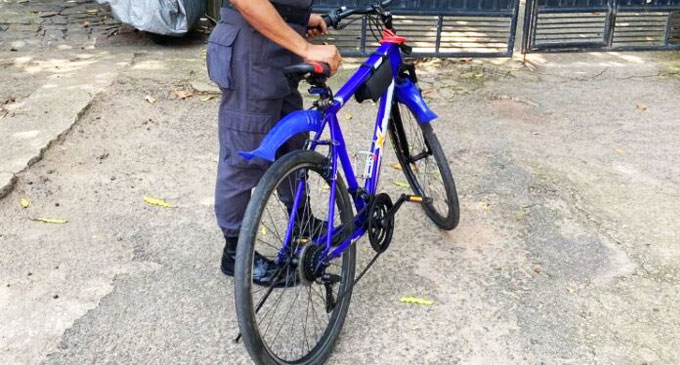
265, 271
229, 256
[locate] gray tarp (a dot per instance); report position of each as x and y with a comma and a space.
168, 17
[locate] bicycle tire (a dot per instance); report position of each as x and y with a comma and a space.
403, 137
247, 317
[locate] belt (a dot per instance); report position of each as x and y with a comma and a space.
290, 14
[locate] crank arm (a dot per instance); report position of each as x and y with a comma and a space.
403, 199
330, 300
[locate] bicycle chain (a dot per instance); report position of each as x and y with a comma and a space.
379, 235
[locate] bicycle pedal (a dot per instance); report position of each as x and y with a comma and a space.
415, 198
418, 199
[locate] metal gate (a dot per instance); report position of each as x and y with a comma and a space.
446, 28
604, 25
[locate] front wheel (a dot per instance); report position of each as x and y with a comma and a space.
292, 320
423, 162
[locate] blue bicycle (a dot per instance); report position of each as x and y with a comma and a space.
300, 217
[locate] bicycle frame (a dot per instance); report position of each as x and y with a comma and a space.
401, 89
339, 150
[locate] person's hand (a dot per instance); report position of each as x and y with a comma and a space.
316, 26
324, 53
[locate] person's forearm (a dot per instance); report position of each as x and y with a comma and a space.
262, 15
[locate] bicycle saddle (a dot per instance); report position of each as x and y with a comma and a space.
300, 70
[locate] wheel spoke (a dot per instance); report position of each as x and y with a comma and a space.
290, 323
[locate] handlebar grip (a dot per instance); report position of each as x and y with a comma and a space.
327, 20
333, 18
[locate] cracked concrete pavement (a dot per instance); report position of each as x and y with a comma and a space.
50, 65
567, 251
70, 81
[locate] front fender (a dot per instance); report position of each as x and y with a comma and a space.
408, 94
291, 125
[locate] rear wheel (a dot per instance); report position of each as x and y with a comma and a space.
423, 162
292, 322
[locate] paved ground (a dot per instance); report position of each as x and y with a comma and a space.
567, 251
54, 24
35, 40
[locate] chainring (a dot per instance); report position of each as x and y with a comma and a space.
380, 226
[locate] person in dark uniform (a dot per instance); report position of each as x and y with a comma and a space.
247, 51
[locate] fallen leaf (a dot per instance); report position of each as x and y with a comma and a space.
24, 202
416, 300
396, 166
348, 116
150, 99
51, 220
155, 201
326, 188
618, 151
537, 269
570, 288
263, 230
641, 106
400, 184
204, 88
208, 98
477, 76
182, 94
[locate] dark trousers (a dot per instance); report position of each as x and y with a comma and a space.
255, 95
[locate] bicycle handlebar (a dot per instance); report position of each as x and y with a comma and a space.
334, 17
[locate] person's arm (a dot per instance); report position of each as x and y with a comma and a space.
262, 15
